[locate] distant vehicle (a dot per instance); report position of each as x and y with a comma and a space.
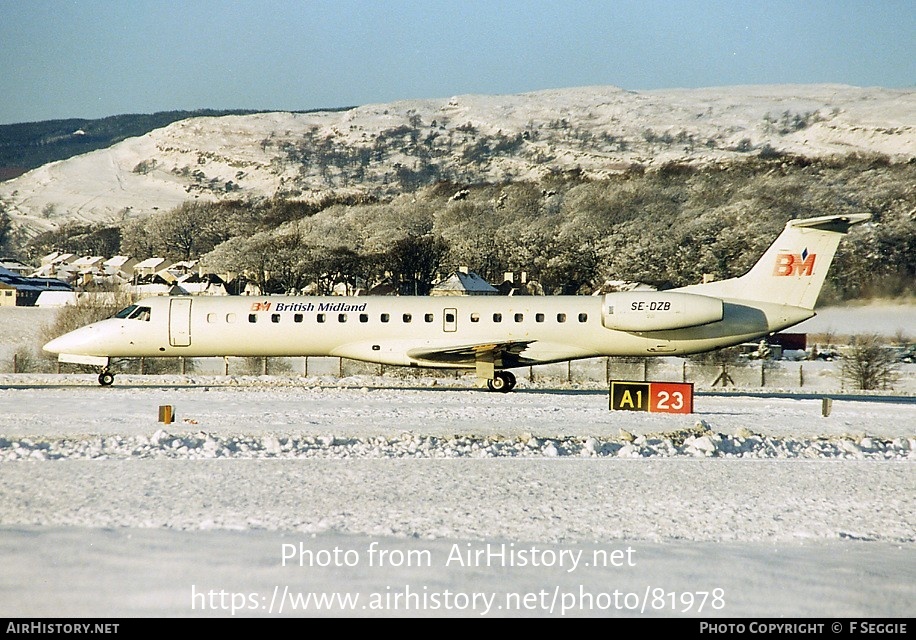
490, 335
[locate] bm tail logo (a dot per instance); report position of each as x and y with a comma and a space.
260, 306
794, 264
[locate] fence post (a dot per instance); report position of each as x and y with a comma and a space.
645, 369
763, 378
801, 375
569, 371
15, 363
184, 367
264, 366
225, 365
305, 367
684, 371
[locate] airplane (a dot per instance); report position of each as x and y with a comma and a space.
489, 334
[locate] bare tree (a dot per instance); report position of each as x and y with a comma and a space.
869, 364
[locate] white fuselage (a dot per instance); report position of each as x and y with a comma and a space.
419, 331
487, 333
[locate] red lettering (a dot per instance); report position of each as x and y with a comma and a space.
788, 264
806, 268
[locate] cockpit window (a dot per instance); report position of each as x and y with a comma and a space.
141, 313
126, 311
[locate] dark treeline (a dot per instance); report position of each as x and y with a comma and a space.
25, 146
668, 227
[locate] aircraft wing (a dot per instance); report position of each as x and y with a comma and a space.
506, 353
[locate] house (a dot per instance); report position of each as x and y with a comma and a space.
88, 263
183, 267
464, 283
383, 289
17, 267
613, 286
51, 299
56, 299
58, 265
7, 295
58, 258
23, 291
519, 285
149, 267
203, 284
120, 266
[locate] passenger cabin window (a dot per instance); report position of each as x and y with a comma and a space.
275, 318
428, 317
449, 317
407, 317
341, 317
561, 317
364, 317
230, 318
497, 317
583, 317
475, 317
319, 317
211, 318
539, 317
385, 317
519, 317
297, 317
252, 317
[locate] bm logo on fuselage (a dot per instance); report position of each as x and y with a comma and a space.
795, 264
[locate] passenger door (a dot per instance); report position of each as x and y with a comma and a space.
180, 322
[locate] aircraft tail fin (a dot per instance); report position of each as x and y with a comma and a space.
792, 271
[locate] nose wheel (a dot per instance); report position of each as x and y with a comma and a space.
106, 378
503, 381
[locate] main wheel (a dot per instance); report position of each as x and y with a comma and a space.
106, 378
510, 379
503, 381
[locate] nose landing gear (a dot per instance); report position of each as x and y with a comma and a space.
106, 377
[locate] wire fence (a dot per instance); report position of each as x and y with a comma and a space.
815, 375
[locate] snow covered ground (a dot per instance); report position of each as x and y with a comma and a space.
365, 496
764, 505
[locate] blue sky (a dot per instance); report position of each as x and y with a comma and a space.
94, 58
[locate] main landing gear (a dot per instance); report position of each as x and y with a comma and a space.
503, 381
106, 377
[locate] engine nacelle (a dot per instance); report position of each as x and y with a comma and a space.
658, 310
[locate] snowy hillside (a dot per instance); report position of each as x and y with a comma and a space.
389, 147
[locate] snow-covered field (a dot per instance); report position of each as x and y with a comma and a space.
423, 499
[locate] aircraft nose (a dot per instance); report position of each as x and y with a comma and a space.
59, 344
77, 342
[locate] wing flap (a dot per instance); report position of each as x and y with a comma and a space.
500, 353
